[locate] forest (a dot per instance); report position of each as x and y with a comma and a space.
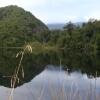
74, 43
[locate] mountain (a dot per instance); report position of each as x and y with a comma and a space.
16, 22
54, 26
59, 26
17, 27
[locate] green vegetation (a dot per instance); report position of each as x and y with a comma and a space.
18, 25
76, 46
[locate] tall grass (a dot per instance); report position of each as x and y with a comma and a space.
62, 93
15, 78
69, 90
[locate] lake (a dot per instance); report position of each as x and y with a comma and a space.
60, 75
56, 84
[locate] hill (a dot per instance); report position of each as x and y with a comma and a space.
17, 27
16, 23
60, 26
54, 26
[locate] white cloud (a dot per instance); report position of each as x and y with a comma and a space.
94, 15
59, 10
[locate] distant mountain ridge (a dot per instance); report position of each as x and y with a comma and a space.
59, 26
53, 26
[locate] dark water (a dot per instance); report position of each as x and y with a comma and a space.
56, 84
73, 75
33, 64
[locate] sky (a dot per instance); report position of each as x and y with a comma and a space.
59, 11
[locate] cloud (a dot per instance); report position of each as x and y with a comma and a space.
94, 15
59, 10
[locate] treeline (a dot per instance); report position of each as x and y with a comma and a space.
84, 37
19, 27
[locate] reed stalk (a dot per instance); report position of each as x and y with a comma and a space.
15, 78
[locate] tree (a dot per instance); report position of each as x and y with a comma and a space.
69, 27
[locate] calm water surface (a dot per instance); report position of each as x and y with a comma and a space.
55, 84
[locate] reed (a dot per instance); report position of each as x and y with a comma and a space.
73, 92
63, 93
15, 78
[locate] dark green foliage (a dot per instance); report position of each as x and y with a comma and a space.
73, 43
16, 24
69, 27
84, 38
17, 27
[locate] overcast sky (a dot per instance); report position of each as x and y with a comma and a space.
59, 11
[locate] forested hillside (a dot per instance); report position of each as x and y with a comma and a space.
19, 27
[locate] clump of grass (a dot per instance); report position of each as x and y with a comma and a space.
15, 78
70, 92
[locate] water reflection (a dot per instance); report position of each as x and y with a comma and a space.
56, 84
33, 64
